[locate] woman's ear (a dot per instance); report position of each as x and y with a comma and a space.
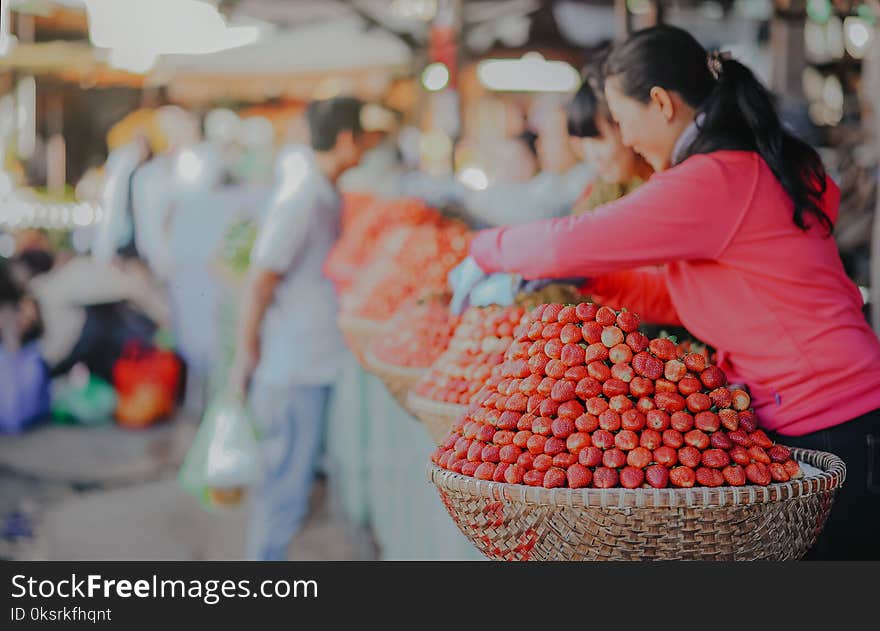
662, 99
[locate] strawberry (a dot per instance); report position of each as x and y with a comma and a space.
444, 459
612, 336
673, 438
645, 405
689, 456
709, 477
603, 439
631, 477
620, 354
555, 369
623, 372
577, 441
674, 370
707, 421
458, 466
535, 313
586, 311
619, 402
728, 419
697, 438
568, 315
551, 331
514, 474
698, 402
606, 316
715, 458
509, 453
682, 421
682, 477
538, 347
551, 312
596, 353
651, 439
734, 475
637, 341
640, 457
533, 478
695, 362
720, 440
599, 371
521, 438
470, 429
663, 348
535, 444
526, 460
501, 403
548, 407
571, 409
591, 332
587, 388
578, 476
740, 455
576, 373
596, 405
542, 425
758, 454
793, 469
689, 385
534, 330
605, 478
664, 385
626, 440
475, 451
586, 423
500, 468
713, 377
641, 386
760, 438
572, 355
554, 446
758, 473
570, 334
647, 366
517, 402
669, 401
563, 390
535, 402
609, 420
486, 433
468, 468
657, 476
525, 422
590, 456
628, 321
779, 453
537, 363
564, 460
491, 453
484, 471
778, 472
506, 420
740, 400
657, 419
747, 421
461, 447
632, 420
666, 456
553, 348
721, 398
449, 443
542, 462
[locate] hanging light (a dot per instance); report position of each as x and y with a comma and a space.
530, 73
435, 76
858, 35
7, 40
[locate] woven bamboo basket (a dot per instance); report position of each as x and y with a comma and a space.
398, 379
358, 332
437, 416
516, 522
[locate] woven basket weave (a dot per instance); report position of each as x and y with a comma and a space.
517, 522
398, 379
437, 416
358, 332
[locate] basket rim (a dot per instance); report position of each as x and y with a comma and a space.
832, 477
376, 365
418, 402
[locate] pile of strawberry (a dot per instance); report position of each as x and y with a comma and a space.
416, 264
583, 399
417, 335
477, 346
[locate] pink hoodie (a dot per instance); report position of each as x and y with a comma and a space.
735, 270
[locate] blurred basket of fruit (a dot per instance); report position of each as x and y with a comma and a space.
584, 404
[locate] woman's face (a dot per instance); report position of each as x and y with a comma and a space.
614, 161
650, 129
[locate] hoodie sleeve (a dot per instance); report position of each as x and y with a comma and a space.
643, 291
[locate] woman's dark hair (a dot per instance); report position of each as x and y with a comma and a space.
735, 111
329, 117
588, 104
10, 292
530, 140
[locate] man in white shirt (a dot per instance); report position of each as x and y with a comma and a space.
289, 348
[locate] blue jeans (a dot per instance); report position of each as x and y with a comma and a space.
290, 421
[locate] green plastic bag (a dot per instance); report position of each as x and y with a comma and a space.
224, 459
81, 398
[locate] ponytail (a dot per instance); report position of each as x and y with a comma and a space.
735, 111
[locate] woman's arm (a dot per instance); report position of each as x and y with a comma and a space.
688, 212
642, 291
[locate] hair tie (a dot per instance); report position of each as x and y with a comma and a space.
715, 61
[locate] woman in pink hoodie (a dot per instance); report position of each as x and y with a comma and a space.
731, 238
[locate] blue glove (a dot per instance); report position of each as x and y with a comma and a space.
462, 279
497, 289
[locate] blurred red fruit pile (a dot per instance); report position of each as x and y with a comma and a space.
477, 347
417, 334
416, 263
583, 399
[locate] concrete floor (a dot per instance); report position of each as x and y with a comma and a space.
107, 493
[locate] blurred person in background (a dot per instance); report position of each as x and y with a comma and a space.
289, 348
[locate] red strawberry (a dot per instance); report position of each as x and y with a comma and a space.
698, 402
586, 311
534, 330
740, 438
623, 372
603, 439
657, 419
620, 354
637, 342
734, 475
444, 460
507, 420
669, 401
537, 363
681, 421
666, 456
631, 477
673, 438
759, 455
609, 420
793, 469
576, 373
697, 438
599, 371
606, 316
517, 402
548, 407
728, 419
596, 353
590, 456
645, 405
553, 348
458, 466
572, 355
758, 473
554, 446
632, 420
586, 423
596, 405
647, 366
470, 429
587, 388
542, 425
571, 409
591, 332
562, 427
713, 377
551, 331
555, 369
570, 334
501, 403
663, 348
740, 455
612, 336
651, 439
509, 453
542, 462
675, 370
628, 321
778, 472
605, 478
720, 440
486, 433
707, 421
689, 385
551, 312
760, 438
689, 456
514, 474
564, 460
520, 439
640, 457
537, 311
535, 445
484, 471
500, 468
715, 458
657, 476
720, 398
468, 468
533, 478
682, 477
641, 386
538, 346
626, 440
475, 451
779, 453
614, 387
563, 390
577, 441
526, 460
619, 402
709, 477
695, 362
578, 476
740, 399
748, 421
568, 315
664, 385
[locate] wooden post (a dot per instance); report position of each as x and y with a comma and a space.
621, 20
788, 48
